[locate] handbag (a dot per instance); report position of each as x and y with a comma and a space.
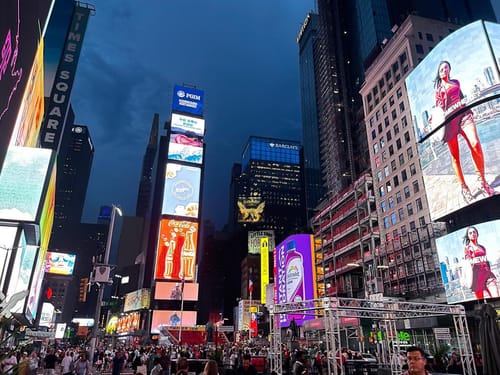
466, 276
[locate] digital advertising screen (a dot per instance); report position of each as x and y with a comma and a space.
174, 291
46, 315
176, 254
295, 276
60, 263
187, 124
188, 99
128, 323
251, 210
137, 300
254, 237
184, 148
470, 262
35, 287
165, 319
182, 190
22, 182
456, 116
47, 214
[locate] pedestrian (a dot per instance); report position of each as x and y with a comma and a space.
416, 361
182, 366
118, 363
211, 368
50, 362
82, 366
67, 364
299, 367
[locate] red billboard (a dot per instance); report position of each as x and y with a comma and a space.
176, 250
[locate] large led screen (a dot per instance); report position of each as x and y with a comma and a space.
182, 190
188, 99
470, 262
456, 117
60, 263
177, 245
184, 148
174, 291
165, 319
254, 237
294, 276
251, 210
187, 124
22, 181
137, 300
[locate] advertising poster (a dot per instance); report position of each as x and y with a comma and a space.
250, 210
470, 262
456, 116
60, 263
46, 315
176, 254
295, 278
188, 99
174, 291
137, 300
184, 148
182, 190
254, 237
128, 323
165, 319
187, 124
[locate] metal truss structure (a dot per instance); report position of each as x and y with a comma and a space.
387, 313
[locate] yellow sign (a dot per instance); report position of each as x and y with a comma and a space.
264, 267
253, 309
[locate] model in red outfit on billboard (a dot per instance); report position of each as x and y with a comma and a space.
449, 100
482, 277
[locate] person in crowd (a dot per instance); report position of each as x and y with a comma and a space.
455, 364
157, 369
182, 366
448, 96
24, 365
50, 362
82, 365
246, 367
9, 363
118, 362
33, 362
482, 277
211, 368
67, 363
416, 361
299, 367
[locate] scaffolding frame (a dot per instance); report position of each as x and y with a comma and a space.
386, 312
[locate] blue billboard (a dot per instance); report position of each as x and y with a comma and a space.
188, 100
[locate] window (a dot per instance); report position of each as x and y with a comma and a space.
419, 205
401, 159
391, 101
413, 169
374, 134
394, 115
384, 108
379, 128
393, 165
396, 129
402, 58
382, 142
398, 197
401, 214
369, 97
388, 135
379, 176
407, 137
399, 93
420, 35
384, 155
386, 222
394, 220
386, 171
409, 151
395, 67
391, 150
415, 187
404, 175
388, 186
386, 122
372, 121
381, 191
407, 192
419, 48
404, 122
383, 206
396, 181
412, 225
429, 37
388, 75
377, 115
401, 107
405, 69
399, 144
375, 148
391, 202
381, 83
421, 221
375, 91
409, 208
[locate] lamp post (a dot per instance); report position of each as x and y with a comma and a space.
95, 328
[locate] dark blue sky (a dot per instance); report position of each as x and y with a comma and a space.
244, 56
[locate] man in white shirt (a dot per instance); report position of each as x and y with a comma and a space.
67, 363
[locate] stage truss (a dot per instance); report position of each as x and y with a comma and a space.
387, 313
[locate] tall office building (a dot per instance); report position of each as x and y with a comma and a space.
269, 190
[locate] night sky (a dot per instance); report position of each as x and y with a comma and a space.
244, 56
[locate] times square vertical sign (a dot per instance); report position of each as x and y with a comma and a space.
57, 110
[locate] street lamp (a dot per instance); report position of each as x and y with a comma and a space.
95, 328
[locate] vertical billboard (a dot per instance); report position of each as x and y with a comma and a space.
454, 95
165, 319
182, 190
188, 100
264, 268
470, 262
187, 124
176, 250
185, 148
295, 276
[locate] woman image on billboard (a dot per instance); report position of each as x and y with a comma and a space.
482, 277
449, 97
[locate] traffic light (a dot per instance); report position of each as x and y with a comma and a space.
84, 282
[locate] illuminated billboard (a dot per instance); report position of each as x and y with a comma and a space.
22, 182
250, 210
254, 237
165, 319
187, 124
137, 300
173, 291
35, 288
47, 214
295, 275
128, 323
184, 148
188, 99
264, 268
470, 262
46, 315
456, 116
182, 190
176, 254
60, 263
